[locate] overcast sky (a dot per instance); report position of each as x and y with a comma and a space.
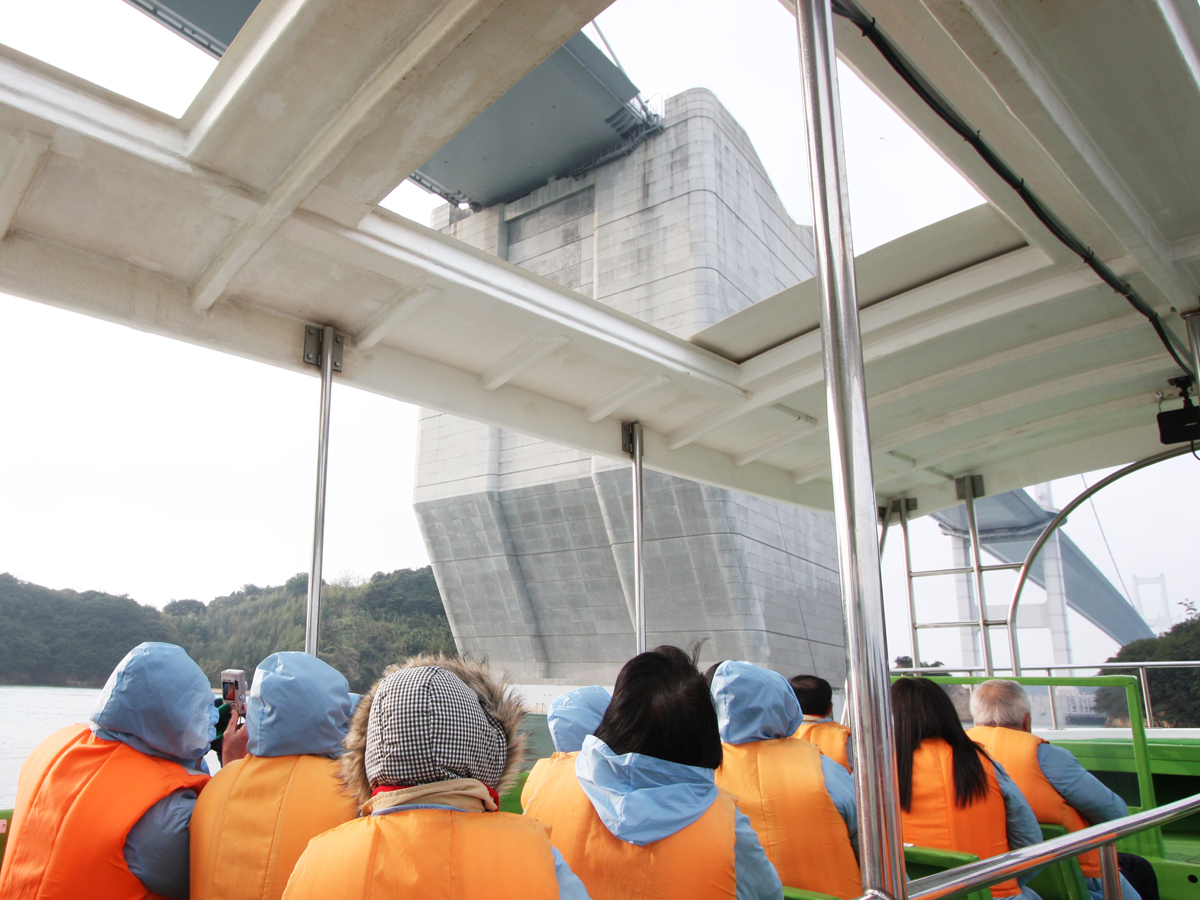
136, 464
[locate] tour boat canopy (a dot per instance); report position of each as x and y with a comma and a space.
990, 348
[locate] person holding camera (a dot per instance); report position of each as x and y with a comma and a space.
103, 809
264, 809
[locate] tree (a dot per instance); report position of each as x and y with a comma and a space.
905, 662
184, 608
1174, 693
64, 637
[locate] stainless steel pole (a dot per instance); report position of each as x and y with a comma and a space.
985, 640
883, 533
1192, 318
639, 556
908, 579
1110, 872
1146, 696
312, 622
1053, 705
855, 511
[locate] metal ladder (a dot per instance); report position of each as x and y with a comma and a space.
968, 488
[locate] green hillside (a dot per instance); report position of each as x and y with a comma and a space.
73, 638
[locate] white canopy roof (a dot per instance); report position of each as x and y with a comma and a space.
989, 348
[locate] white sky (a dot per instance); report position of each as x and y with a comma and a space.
136, 464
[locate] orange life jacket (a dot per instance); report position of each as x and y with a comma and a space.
431, 854
935, 820
538, 772
697, 861
781, 789
254, 820
1017, 752
831, 737
77, 799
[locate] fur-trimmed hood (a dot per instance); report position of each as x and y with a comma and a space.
495, 696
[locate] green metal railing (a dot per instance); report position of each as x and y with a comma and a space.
1132, 687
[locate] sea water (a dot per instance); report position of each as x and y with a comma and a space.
30, 715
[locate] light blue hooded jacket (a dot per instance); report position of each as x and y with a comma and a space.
298, 705
159, 702
1091, 798
756, 704
642, 799
576, 714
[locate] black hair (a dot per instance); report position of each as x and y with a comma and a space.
922, 710
711, 671
815, 694
662, 707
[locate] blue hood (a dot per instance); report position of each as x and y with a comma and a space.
753, 703
575, 715
297, 705
158, 701
642, 799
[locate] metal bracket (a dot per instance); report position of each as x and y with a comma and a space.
627, 437
977, 491
312, 347
910, 504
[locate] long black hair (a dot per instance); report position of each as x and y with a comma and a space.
662, 707
921, 710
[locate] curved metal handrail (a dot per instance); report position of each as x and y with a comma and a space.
1023, 575
990, 871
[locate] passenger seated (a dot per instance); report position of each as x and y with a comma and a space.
816, 700
952, 795
571, 718
430, 746
1058, 788
102, 809
800, 802
637, 813
258, 814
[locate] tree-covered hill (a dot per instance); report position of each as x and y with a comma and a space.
71, 638
1174, 693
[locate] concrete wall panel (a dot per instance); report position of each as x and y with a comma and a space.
531, 542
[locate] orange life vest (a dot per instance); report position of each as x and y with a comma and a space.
781, 789
254, 820
432, 854
697, 861
1017, 752
77, 799
538, 772
935, 820
831, 737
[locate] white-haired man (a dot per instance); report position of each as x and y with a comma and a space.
1060, 790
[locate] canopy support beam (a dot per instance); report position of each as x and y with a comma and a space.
329, 348
632, 443
855, 510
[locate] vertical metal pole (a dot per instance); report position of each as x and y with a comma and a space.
1110, 872
855, 512
908, 577
985, 640
887, 524
1192, 318
1053, 705
639, 557
312, 622
1146, 696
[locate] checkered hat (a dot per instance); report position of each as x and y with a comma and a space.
426, 725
